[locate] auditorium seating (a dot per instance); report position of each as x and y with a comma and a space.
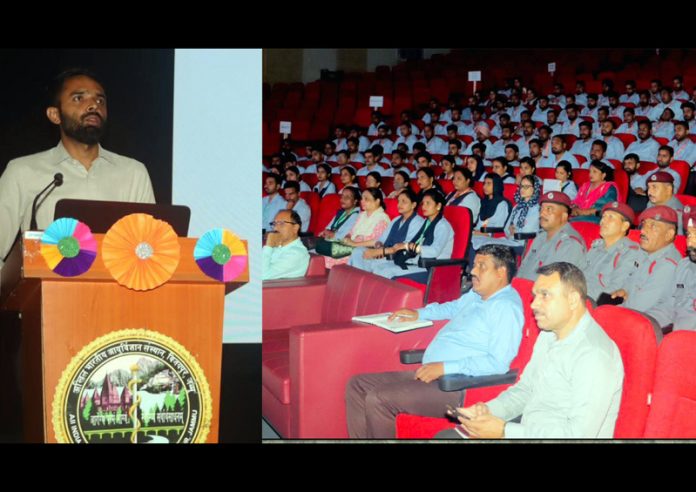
311, 348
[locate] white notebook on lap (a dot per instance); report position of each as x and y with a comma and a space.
396, 326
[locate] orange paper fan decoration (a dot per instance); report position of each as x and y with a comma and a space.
141, 252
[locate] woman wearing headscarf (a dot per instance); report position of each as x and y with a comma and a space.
394, 238
495, 209
524, 217
476, 166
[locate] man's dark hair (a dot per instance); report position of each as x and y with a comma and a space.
571, 276
456, 142
377, 150
275, 177
58, 82
295, 185
295, 217
418, 147
600, 143
503, 257
452, 128
480, 146
514, 148
667, 149
586, 124
428, 156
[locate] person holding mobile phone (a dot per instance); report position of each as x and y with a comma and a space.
571, 388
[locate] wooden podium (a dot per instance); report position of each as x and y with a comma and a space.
62, 317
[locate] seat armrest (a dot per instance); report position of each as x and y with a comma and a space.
414, 356
434, 262
458, 382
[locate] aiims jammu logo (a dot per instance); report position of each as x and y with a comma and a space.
135, 386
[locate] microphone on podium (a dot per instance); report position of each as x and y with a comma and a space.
57, 181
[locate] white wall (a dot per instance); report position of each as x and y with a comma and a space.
382, 56
314, 60
428, 52
217, 151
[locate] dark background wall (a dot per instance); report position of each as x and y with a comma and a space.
140, 89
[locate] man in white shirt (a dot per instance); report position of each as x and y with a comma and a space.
78, 107
535, 152
615, 147
457, 120
645, 147
515, 108
667, 102
371, 164
273, 202
655, 91
498, 148
482, 134
503, 120
544, 135
678, 87
607, 88
684, 148
590, 110
340, 141
644, 108
597, 153
583, 144
552, 122
353, 152
580, 94
377, 119
406, 136
299, 205
689, 109
630, 96
512, 155
615, 109
406, 120
559, 153
557, 96
665, 156
664, 128
527, 135
630, 125
572, 124
602, 116
433, 143
383, 139
363, 141
539, 113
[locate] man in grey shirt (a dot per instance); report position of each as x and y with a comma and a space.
78, 106
571, 387
558, 241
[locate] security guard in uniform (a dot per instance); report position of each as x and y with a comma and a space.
661, 192
558, 241
650, 287
681, 312
612, 259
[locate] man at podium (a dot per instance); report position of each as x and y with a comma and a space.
78, 106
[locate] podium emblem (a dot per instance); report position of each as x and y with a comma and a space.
132, 386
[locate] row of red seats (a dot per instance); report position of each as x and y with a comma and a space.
659, 391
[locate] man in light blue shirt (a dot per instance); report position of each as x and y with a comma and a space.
294, 202
272, 203
646, 147
571, 388
284, 255
481, 338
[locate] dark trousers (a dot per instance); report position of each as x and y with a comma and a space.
374, 400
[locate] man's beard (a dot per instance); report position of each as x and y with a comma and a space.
691, 254
86, 134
